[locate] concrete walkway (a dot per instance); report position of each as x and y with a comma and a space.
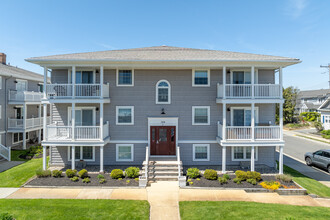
6, 165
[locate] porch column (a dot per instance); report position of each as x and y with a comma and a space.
73, 74
224, 82
281, 81
252, 121
223, 159
45, 122
252, 82
45, 82
39, 116
73, 120
101, 159
224, 121
281, 121
101, 121
24, 125
73, 159
44, 157
252, 158
280, 161
101, 80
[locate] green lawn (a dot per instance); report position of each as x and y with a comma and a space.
16, 153
311, 185
249, 210
18, 175
74, 209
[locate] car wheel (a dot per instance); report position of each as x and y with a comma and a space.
308, 161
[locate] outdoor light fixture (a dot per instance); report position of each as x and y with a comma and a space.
15, 81
163, 111
97, 109
228, 109
228, 71
97, 71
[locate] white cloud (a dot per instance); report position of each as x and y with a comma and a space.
295, 8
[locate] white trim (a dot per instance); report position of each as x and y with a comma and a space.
117, 77
22, 80
244, 108
132, 115
208, 115
207, 151
125, 145
81, 108
179, 142
81, 154
208, 78
244, 153
169, 92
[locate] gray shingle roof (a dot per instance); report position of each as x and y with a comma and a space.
7, 70
314, 93
164, 53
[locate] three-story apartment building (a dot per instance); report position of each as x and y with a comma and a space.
203, 107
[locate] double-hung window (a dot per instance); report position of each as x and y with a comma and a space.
125, 115
243, 153
18, 137
163, 92
125, 77
201, 78
201, 115
124, 152
201, 152
86, 153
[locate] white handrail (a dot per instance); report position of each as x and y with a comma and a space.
14, 123
245, 90
24, 96
178, 160
147, 162
5, 152
81, 90
267, 132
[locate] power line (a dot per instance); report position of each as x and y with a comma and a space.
328, 67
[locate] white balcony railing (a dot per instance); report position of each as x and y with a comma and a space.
245, 132
81, 133
24, 96
245, 91
14, 123
5, 152
58, 91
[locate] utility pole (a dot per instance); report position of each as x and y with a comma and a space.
328, 67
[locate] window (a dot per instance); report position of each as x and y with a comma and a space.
241, 116
318, 153
84, 116
124, 152
243, 77
163, 92
243, 153
21, 85
86, 153
201, 78
41, 87
83, 77
125, 77
201, 152
201, 115
18, 137
125, 115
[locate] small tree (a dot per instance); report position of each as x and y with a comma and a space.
290, 96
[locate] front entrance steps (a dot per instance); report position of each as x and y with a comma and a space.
163, 169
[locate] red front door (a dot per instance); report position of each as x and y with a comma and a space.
162, 140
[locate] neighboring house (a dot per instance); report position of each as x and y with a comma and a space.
201, 107
20, 106
311, 100
324, 109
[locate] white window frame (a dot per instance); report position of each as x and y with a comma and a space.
22, 80
132, 113
201, 145
256, 76
244, 108
80, 70
81, 154
244, 154
208, 78
20, 141
169, 92
81, 108
208, 115
117, 78
124, 145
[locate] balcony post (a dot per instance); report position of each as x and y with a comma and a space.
281, 121
223, 159
252, 158
224, 121
252, 82
281, 81
252, 121
101, 80
44, 157
39, 131
45, 82
224, 82
45, 122
24, 125
280, 161
101, 121
73, 120
73, 74
101, 159
73, 158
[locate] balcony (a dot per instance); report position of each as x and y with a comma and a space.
82, 91
64, 134
30, 123
24, 96
244, 91
244, 133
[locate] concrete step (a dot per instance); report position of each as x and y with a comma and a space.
162, 168
163, 163
163, 173
164, 178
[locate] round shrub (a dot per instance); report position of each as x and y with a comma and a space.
116, 174
241, 175
253, 175
57, 173
74, 179
70, 173
210, 174
83, 173
222, 180
226, 176
43, 173
237, 180
101, 181
100, 176
252, 181
132, 172
193, 173
86, 180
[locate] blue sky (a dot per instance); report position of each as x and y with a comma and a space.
293, 28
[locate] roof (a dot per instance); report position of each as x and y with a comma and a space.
325, 105
314, 93
7, 70
163, 53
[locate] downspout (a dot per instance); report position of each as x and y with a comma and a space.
6, 105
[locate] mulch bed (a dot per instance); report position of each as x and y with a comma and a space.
65, 181
215, 183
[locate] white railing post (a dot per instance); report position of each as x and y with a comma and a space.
9, 154
45, 122
224, 82
101, 121
223, 159
280, 161
252, 82
44, 157
281, 121
252, 121
101, 80
281, 82
73, 75
147, 163
101, 159
224, 121
45, 82
178, 160
252, 158
73, 158
24, 125
73, 119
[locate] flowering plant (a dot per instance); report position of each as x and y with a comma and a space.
271, 185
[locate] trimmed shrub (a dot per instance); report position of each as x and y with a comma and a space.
284, 177
240, 174
74, 179
271, 185
43, 173
253, 175
83, 173
222, 180
101, 181
193, 173
70, 173
86, 180
210, 174
120, 178
57, 173
318, 125
226, 176
6, 216
132, 172
252, 181
100, 176
237, 180
116, 174
128, 181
